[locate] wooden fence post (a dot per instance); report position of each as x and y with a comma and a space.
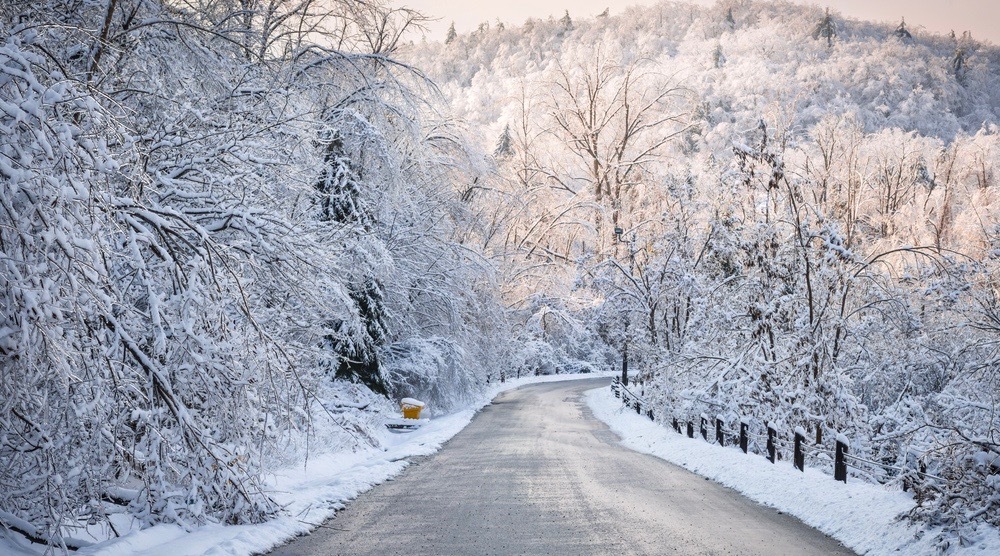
719, 437
677, 426
638, 406
840, 463
649, 413
704, 427
799, 460
690, 429
772, 451
744, 437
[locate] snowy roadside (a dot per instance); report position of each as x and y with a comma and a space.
311, 493
863, 516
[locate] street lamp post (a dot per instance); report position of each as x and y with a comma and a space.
618, 239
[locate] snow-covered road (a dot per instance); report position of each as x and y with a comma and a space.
536, 473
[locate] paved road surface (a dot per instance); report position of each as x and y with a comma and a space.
536, 473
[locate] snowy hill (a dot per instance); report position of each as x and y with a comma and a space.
739, 59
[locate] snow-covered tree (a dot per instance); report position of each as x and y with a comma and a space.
505, 144
566, 22
901, 32
826, 29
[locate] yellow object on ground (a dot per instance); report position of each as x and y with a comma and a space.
411, 408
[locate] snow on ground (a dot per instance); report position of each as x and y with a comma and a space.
311, 493
863, 516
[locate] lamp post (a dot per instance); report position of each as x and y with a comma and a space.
625, 342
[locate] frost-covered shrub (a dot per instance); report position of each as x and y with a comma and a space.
128, 371
433, 370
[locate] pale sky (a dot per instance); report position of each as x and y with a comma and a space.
982, 17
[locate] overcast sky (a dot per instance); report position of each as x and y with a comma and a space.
982, 17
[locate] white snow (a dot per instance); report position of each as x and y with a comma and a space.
310, 494
863, 516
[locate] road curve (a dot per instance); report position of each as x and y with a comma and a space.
536, 473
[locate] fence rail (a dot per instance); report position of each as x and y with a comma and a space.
772, 441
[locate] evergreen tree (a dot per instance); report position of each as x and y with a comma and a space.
566, 22
505, 144
960, 59
958, 62
718, 58
359, 359
338, 186
452, 35
340, 201
730, 20
826, 29
902, 32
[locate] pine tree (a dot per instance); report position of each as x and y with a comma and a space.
730, 20
452, 35
338, 186
567, 22
718, 58
902, 32
958, 62
826, 29
340, 201
960, 59
358, 357
505, 144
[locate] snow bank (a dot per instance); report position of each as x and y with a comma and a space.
863, 516
310, 493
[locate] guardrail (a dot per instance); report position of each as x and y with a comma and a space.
629, 398
773, 443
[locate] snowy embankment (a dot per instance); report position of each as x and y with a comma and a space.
863, 516
311, 493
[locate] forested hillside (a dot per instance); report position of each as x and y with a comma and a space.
771, 211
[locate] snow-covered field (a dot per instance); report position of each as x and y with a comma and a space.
863, 516
310, 493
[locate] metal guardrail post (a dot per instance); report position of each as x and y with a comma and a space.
772, 451
799, 460
840, 463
